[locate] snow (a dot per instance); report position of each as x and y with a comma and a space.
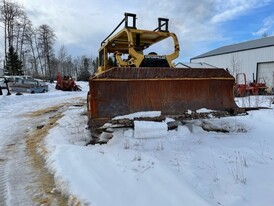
140, 114
150, 165
148, 129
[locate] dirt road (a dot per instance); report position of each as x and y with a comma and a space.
24, 180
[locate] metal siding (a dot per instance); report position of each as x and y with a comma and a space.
247, 60
243, 46
266, 73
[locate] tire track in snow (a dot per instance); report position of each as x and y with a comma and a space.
14, 178
3, 180
23, 178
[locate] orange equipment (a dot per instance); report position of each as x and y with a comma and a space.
242, 88
150, 82
66, 83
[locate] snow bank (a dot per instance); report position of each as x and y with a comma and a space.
204, 110
139, 114
148, 129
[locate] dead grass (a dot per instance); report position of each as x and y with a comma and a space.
45, 179
48, 110
35, 142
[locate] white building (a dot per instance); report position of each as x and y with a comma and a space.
254, 58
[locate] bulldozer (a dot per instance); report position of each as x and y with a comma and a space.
128, 80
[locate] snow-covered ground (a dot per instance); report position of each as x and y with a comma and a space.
152, 166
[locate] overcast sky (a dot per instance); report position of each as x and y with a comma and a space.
201, 25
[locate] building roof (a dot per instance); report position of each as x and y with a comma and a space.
248, 45
194, 65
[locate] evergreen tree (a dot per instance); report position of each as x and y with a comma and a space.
14, 65
84, 73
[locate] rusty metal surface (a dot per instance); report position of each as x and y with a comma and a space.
156, 72
173, 91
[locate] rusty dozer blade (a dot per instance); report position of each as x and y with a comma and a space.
172, 91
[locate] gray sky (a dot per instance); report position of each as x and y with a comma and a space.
201, 25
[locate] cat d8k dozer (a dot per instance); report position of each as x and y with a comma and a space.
133, 81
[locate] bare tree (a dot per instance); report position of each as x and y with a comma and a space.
34, 47
236, 64
69, 66
62, 57
46, 38
265, 34
77, 62
31, 48
11, 13
25, 27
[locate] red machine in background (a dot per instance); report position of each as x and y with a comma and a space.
66, 83
242, 88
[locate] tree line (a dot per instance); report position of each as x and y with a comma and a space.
30, 51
